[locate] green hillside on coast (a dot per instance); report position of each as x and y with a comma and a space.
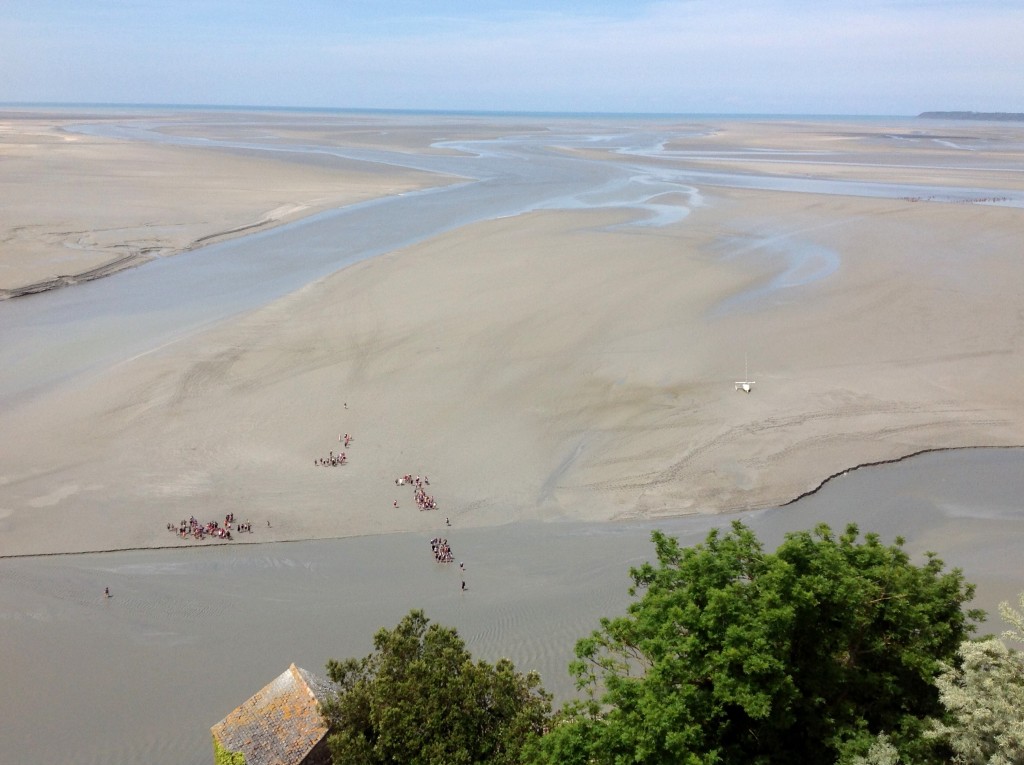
980, 116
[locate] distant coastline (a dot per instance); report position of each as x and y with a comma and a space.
981, 116
97, 110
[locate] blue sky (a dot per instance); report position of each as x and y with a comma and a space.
679, 56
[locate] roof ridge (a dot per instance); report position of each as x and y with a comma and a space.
279, 721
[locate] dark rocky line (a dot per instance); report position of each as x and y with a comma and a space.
892, 461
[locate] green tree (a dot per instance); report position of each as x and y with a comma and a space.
420, 699
736, 655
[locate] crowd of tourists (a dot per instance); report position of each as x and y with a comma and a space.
195, 529
423, 500
442, 552
332, 460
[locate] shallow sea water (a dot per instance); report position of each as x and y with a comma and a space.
47, 339
189, 634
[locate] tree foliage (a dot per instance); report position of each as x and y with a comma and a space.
881, 752
736, 655
420, 699
984, 698
983, 694
1012, 616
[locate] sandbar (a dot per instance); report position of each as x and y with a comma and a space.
77, 207
561, 364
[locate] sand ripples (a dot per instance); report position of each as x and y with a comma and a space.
189, 634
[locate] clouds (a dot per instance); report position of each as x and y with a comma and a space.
874, 56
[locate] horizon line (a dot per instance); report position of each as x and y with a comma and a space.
435, 111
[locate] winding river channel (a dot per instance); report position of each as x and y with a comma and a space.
54, 336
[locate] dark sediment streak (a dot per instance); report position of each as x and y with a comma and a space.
732, 511
130, 260
892, 461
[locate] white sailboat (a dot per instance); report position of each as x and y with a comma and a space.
746, 383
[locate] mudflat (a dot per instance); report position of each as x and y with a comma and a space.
564, 378
78, 207
558, 364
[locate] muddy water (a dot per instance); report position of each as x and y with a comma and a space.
189, 634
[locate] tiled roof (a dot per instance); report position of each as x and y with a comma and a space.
280, 724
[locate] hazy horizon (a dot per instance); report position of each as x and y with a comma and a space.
212, 107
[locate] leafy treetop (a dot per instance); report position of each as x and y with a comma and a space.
737, 655
420, 699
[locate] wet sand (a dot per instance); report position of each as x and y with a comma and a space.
77, 207
190, 634
566, 380
911, 151
549, 366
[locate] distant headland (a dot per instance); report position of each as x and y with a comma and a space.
986, 116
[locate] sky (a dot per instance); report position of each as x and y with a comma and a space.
872, 57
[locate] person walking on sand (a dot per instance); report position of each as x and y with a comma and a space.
106, 592
463, 585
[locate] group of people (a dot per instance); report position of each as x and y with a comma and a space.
416, 481
442, 552
332, 460
424, 501
197, 530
